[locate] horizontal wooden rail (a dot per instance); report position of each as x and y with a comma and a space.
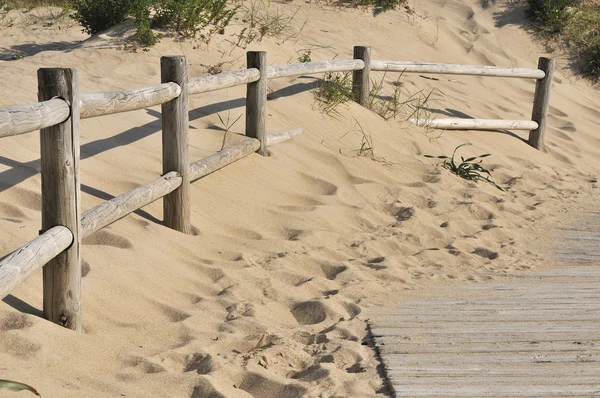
21, 263
15, 120
309, 68
476, 124
98, 217
221, 159
205, 84
283, 136
454, 69
108, 103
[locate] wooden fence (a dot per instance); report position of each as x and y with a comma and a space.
61, 107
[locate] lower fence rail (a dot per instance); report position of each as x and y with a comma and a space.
17, 266
475, 124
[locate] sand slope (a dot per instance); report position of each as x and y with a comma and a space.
271, 295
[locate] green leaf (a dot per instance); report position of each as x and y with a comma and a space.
15, 386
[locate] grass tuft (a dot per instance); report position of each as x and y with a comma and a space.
469, 169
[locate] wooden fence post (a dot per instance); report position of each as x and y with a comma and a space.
361, 79
175, 132
256, 100
61, 198
541, 101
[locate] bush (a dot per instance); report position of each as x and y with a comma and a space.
379, 6
551, 16
192, 17
97, 15
590, 57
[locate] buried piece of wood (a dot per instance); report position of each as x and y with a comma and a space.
475, 124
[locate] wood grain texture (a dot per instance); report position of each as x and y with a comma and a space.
221, 159
61, 198
23, 119
541, 102
475, 124
256, 100
108, 103
98, 217
175, 138
533, 335
20, 264
283, 136
311, 68
205, 84
455, 69
361, 79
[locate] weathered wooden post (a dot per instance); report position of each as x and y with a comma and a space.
61, 198
361, 79
256, 100
541, 101
175, 132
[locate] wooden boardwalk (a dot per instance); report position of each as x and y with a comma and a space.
537, 335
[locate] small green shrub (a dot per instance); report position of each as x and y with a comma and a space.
469, 169
97, 15
590, 57
379, 6
304, 56
191, 17
551, 16
335, 89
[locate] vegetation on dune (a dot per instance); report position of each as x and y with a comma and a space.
469, 169
576, 23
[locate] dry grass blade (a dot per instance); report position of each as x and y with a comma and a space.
16, 386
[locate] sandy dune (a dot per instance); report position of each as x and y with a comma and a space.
271, 295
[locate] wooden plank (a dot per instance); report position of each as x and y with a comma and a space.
453, 69
475, 124
311, 68
15, 120
108, 103
98, 217
61, 198
205, 84
175, 138
541, 102
492, 359
361, 78
489, 337
516, 370
256, 101
493, 390
221, 159
398, 345
20, 264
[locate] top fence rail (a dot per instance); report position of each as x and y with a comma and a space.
26, 118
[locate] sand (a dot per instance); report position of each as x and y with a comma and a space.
271, 295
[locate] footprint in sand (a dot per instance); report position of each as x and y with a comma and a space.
485, 253
105, 238
309, 312
260, 386
332, 271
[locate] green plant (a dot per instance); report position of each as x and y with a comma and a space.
551, 16
379, 6
97, 15
16, 386
469, 169
193, 18
386, 106
335, 89
261, 22
304, 56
